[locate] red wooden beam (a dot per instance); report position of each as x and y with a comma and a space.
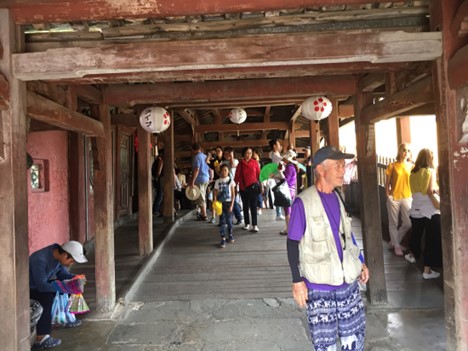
41, 11
228, 91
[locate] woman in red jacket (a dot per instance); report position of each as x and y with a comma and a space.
247, 175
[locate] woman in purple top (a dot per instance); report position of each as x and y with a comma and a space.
289, 173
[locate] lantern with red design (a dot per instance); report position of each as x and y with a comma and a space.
316, 108
155, 119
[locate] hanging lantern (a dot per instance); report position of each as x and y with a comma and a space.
316, 108
238, 116
155, 119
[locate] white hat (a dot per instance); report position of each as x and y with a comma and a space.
290, 155
75, 249
192, 193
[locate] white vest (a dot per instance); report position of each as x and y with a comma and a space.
318, 254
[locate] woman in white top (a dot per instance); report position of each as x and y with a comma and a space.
425, 214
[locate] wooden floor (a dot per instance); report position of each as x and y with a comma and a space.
192, 267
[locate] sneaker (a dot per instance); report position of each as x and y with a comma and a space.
259, 212
283, 232
230, 239
280, 218
47, 343
74, 324
213, 220
239, 222
431, 275
247, 227
410, 258
255, 229
222, 244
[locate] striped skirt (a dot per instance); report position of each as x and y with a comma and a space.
336, 313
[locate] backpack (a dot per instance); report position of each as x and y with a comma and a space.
223, 194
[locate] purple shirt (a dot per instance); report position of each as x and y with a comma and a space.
297, 226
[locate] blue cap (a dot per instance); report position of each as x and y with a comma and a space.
329, 153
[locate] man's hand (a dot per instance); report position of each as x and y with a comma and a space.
300, 293
364, 274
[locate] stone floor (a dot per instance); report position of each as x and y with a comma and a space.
190, 295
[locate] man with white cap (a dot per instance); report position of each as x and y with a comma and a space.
325, 260
45, 265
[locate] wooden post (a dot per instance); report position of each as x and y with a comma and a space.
104, 216
314, 128
145, 193
333, 135
14, 280
403, 131
168, 197
370, 208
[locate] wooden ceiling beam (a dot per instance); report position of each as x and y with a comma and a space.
187, 115
88, 93
47, 111
203, 128
46, 11
124, 119
371, 82
418, 94
274, 50
222, 91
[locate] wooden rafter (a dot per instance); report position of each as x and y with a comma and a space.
371, 82
228, 91
203, 128
47, 111
88, 93
266, 50
187, 115
397, 104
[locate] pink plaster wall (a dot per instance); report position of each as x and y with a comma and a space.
48, 211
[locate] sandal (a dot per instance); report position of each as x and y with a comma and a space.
47, 343
74, 324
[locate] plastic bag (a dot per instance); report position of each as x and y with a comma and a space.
60, 312
282, 194
77, 304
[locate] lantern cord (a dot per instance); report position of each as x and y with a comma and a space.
238, 131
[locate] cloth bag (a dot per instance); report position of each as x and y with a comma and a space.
61, 314
282, 194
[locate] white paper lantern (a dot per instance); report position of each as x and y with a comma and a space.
155, 119
316, 108
237, 115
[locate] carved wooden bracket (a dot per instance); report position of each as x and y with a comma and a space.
4, 93
464, 112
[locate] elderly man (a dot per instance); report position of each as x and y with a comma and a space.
325, 260
200, 177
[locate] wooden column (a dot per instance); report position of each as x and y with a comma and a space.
104, 216
14, 277
168, 197
403, 131
370, 208
333, 135
145, 193
76, 169
451, 102
314, 128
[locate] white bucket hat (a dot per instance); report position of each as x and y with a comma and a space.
75, 249
290, 155
192, 193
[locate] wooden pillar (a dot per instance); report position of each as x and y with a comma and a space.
104, 216
168, 197
403, 130
333, 135
76, 169
14, 277
451, 102
370, 208
314, 128
145, 193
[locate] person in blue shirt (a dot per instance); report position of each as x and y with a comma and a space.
200, 177
46, 265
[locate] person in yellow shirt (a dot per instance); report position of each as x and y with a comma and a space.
399, 196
